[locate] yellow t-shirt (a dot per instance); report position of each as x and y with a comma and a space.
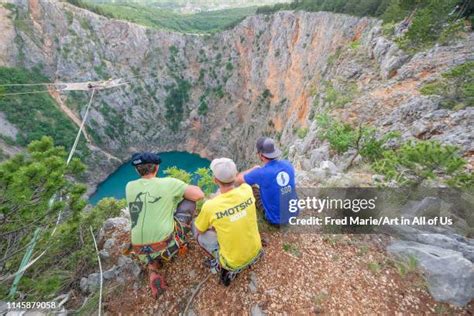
233, 216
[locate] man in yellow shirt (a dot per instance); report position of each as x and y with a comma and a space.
227, 224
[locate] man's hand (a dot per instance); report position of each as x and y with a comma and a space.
240, 177
193, 193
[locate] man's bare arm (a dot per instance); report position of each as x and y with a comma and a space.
240, 177
193, 193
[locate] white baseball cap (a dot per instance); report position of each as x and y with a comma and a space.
224, 170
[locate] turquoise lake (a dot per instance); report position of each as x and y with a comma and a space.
114, 185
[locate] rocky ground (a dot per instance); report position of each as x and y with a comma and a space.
299, 274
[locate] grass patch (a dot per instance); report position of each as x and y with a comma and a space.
320, 297
292, 249
331, 239
406, 266
374, 267
362, 251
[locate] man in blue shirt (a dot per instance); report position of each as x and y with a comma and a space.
275, 181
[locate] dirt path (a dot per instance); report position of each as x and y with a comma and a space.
76, 120
299, 275
66, 110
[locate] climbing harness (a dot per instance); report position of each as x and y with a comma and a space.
176, 243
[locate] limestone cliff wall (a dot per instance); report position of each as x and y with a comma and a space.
269, 75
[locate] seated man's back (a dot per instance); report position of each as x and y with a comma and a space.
152, 203
276, 181
233, 216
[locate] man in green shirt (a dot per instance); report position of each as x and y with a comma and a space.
154, 204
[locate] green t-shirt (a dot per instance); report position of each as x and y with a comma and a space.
152, 203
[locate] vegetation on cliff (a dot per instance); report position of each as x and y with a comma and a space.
202, 22
424, 22
28, 182
33, 114
410, 163
456, 87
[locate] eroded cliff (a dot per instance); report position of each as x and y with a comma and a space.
214, 95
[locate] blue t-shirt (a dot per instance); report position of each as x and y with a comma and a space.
276, 180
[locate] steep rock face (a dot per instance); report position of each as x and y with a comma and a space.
214, 95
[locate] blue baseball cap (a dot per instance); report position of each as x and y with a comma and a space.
144, 158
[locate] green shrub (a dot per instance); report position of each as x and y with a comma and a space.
437, 88
203, 108
353, 7
354, 44
28, 182
394, 13
302, 132
337, 98
456, 86
266, 94
416, 161
175, 102
373, 147
179, 174
374, 267
340, 136
431, 18
202, 178
334, 57
454, 31
206, 181
388, 29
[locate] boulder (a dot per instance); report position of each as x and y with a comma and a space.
389, 56
110, 274
319, 155
256, 310
116, 223
454, 242
109, 244
317, 175
128, 266
430, 206
125, 213
413, 109
329, 167
449, 275
91, 283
